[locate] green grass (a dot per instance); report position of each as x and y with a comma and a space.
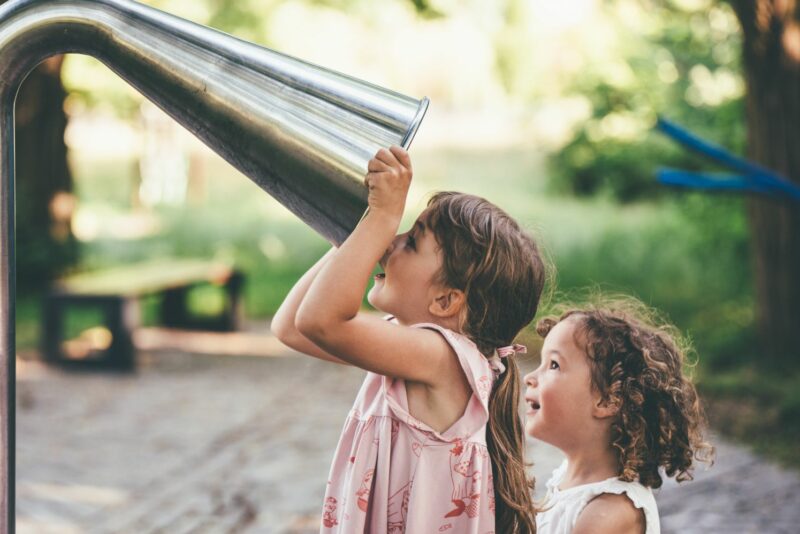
27, 318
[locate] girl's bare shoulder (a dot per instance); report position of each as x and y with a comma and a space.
610, 513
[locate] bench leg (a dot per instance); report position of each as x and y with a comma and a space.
232, 316
174, 311
121, 316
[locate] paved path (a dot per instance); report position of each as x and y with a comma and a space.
197, 443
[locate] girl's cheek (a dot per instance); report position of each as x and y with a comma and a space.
549, 397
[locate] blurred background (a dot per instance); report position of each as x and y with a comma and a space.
545, 108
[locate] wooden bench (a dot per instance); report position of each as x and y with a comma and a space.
116, 293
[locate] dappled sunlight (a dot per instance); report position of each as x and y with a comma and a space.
91, 341
791, 41
164, 161
478, 129
623, 126
272, 247
713, 88
99, 134
554, 121
93, 222
559, 16
394, 48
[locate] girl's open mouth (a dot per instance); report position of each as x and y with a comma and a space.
380, 276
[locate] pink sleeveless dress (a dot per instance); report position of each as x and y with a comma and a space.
393, 474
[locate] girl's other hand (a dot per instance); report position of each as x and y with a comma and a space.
388, 179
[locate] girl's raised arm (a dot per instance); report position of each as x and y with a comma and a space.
283, 323
329, 314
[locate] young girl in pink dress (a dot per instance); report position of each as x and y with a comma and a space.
434, 441
611, 394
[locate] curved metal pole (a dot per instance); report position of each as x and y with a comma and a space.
8, 365
301, 132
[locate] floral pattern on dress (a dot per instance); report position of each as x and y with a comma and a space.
329, 513
390, 470
484, 385
365, 489
466, 479
490, 494
398, 510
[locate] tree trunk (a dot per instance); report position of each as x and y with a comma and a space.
772, 70
45, 243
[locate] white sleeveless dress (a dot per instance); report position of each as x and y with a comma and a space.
562, 507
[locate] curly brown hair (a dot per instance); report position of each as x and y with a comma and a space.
501, 271
637, 364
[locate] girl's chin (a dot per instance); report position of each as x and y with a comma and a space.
374, 302
530, 428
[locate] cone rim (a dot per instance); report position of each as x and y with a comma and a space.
414, 126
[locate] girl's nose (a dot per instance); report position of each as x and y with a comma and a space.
530, 378
389, 250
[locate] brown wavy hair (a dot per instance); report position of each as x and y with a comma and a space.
499, 268
637, 363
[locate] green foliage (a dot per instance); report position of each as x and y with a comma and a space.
238, 18
681, 63
27, 317
423, 8
624, 170
685, 258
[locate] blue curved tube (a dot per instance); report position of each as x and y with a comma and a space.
754, 177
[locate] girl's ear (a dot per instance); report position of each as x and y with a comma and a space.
604, 408
447, 303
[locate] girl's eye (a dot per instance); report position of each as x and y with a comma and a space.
411, 242
554, 365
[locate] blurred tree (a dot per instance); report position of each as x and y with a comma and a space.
771, 54
679, 59
687, 57
45, 243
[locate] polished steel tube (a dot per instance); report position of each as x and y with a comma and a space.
301, 132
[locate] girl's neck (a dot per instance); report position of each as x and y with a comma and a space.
589, 464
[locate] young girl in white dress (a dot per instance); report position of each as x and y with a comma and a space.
611, 394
